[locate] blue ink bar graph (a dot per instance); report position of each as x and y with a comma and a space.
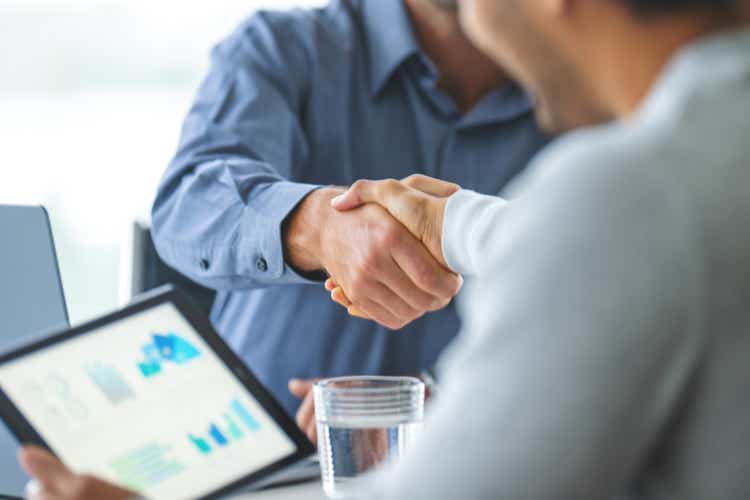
235, 424
203, 447
217, 436
244, 415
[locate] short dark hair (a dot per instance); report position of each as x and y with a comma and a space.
659, 7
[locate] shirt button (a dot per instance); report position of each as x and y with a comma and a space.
261, 265
205, 264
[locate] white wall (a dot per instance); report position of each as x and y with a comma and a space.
92, 93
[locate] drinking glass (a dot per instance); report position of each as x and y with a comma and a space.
363, 422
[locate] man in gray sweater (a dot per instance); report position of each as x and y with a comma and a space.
606, 350
607, 344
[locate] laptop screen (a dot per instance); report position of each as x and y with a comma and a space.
144, 402
31, 296
31, 301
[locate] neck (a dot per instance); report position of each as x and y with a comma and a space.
466, 74
632, 56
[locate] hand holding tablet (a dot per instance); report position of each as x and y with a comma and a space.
151, 399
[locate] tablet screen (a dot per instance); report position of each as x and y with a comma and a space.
144, 402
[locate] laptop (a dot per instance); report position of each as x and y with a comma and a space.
31, 301
151, 398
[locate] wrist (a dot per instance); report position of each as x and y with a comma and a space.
433, 232
303, 230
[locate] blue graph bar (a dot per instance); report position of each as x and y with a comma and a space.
244, 415
217, 436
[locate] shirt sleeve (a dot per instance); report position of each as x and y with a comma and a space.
470, 219
220, 206
584, 330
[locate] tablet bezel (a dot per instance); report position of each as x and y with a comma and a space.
26, 434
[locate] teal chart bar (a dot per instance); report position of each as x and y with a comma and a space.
223, 433
203, 447
244, 415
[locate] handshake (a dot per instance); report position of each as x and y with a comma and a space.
381, 244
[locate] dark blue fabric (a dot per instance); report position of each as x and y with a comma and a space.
304, 98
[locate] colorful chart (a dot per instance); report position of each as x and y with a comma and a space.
230, 429
169, 348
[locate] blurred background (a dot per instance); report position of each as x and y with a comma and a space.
92, 95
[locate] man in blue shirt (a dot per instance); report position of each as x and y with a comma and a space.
296, 102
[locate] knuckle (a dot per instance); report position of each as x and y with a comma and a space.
424, 303
393, 325
389, 184
412, 179
387, 233
430, 280
457, 285
436, 304
369, 264
389, 237
358, 185
358, 282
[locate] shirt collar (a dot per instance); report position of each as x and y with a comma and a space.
390, 39
503, 104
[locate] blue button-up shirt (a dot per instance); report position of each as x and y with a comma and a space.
300, 99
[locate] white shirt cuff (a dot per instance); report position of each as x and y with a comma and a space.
468, 216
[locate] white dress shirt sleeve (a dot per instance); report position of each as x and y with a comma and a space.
470, 219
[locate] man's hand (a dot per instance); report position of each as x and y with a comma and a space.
418, 202
57, 482
389, 274
303, 389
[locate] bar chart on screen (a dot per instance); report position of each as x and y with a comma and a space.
235, 424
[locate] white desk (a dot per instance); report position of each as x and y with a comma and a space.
306, 491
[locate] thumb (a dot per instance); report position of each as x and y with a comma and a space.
431, 186
44, 467
384, 192
348, 200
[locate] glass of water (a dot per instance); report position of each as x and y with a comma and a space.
364, 422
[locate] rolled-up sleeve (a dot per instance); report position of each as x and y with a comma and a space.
220, 207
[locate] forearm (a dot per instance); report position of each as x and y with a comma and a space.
224, 230
470, 219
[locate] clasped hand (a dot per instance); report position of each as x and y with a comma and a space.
418, 203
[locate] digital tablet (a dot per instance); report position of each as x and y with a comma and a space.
149, 398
